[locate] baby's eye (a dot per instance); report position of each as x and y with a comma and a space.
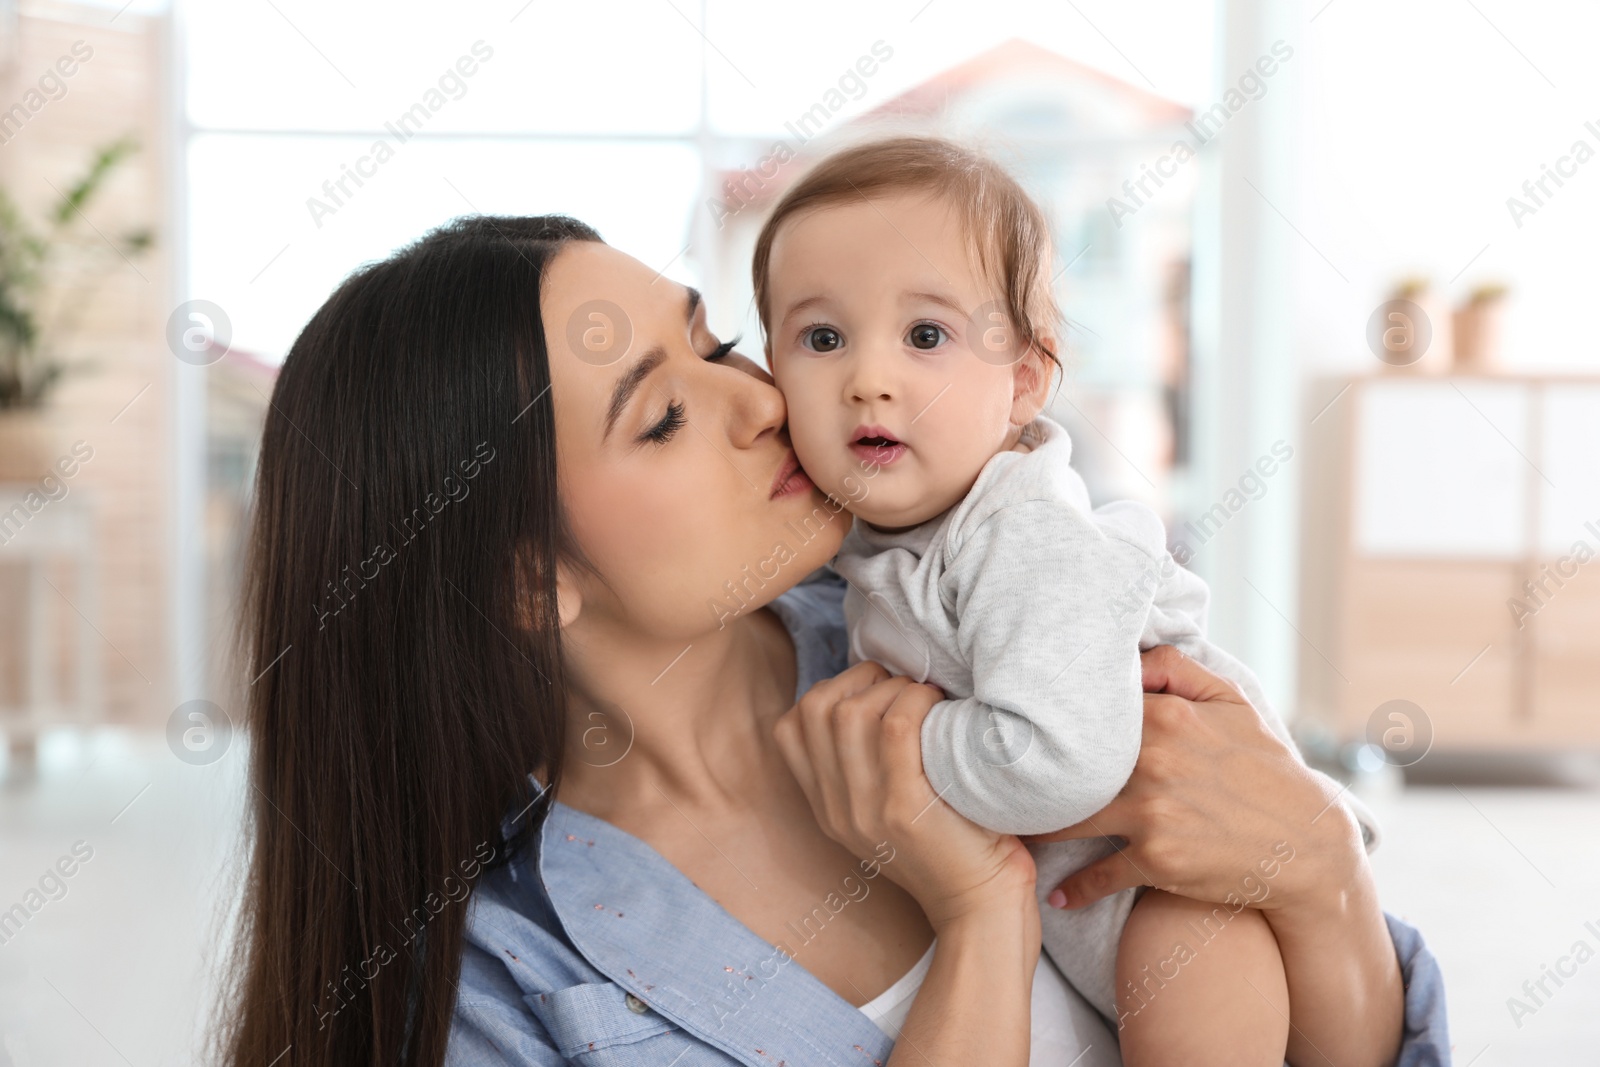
926, 335
822, 339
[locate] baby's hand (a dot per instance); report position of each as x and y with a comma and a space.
854, 743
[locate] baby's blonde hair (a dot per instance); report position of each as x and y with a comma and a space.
1007, 233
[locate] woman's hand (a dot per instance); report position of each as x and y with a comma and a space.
1216, 802
854, 743
1219, 806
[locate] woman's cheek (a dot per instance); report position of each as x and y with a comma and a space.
617, 521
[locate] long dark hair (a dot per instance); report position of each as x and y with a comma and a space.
400, 612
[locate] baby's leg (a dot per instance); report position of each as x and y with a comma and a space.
1199, 984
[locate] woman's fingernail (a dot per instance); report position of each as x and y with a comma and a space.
1058, 899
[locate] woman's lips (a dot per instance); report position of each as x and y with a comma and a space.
791, 479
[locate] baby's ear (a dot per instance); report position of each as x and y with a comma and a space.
1030, 380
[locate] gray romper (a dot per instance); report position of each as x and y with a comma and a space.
1029, 609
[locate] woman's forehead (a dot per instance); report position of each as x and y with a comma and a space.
602, 311
585, 271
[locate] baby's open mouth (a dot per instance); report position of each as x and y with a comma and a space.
873, 446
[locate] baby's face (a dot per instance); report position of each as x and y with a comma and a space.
879, 320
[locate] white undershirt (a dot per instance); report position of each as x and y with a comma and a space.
1064, 1025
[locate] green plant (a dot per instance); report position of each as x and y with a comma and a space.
46, 278
1412, 286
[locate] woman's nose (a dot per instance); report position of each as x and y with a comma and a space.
755, 409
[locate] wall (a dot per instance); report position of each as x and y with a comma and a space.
119, 406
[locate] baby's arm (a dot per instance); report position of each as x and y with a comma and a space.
1052, 730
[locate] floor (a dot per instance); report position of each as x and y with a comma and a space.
118, 970
1502, 882
117, 966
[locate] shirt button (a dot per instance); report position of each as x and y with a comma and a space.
637, 1006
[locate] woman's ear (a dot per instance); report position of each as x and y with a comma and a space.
1030, 381
569, 598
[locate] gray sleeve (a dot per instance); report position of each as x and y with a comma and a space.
1051, 731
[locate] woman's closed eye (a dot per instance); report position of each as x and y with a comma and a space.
675, 417
670, 424
722, 350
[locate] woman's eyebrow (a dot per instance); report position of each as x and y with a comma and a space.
629, 383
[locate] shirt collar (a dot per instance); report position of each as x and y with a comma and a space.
642, 923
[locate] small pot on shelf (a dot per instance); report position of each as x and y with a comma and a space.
1412, 334
1480, 331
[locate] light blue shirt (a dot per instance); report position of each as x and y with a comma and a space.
592, 949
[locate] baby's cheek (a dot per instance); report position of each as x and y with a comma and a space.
953, 468
852, 489
823, 459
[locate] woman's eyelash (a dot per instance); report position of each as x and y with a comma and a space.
675, 419
670, 423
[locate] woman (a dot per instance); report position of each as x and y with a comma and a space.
520, 511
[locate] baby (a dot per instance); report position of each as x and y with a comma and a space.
905, 291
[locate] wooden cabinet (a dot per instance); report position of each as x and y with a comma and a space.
1452, 558
1564, 660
